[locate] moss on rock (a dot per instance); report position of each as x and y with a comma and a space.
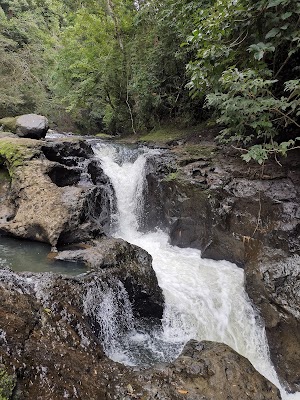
15, 152
9, 123
7, 384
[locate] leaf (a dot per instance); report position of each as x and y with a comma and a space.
284, 27
272, 33
259, 55
182, 391
286, 15
246, 157
274, 3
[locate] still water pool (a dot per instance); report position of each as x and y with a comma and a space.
24, 255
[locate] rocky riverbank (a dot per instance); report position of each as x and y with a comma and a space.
56, 192
245, 213
51, 350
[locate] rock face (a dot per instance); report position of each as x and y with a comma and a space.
52, 196
49, 344
211, 200
273, 282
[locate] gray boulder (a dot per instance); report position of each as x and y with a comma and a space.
32, 126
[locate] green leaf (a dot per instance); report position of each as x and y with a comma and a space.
272, 33
259, 55
284, 27
275, 3
246, 157
286, 15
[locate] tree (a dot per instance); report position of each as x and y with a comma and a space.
26, 53
247, 68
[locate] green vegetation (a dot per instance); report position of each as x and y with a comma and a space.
9, 123
172, 176
163, 135
7, 384
13, 154
247, 69
127, 67
199, 152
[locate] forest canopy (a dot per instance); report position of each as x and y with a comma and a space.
128, 66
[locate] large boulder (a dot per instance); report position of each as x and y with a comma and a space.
210, 371
130, 264
51, 350
32, 126
53, 198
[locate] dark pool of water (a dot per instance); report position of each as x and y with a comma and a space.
24, 255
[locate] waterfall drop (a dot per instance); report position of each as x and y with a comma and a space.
204, 299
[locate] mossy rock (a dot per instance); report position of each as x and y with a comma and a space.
199, 151
9, 123
7, 384
163, 135
15, 152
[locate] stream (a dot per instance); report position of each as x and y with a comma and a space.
204, 299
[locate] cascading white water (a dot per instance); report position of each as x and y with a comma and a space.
204, 299
108, 304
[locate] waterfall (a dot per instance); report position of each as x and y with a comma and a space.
204, 299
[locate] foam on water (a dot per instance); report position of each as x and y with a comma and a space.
204, 299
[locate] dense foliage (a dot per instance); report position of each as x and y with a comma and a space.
247, 67
128, 66
26, 48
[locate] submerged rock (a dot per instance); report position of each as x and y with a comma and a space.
49, 343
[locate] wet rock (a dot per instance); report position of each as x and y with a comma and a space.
211, 371
246, 215
273, 282
130, 264
48, 343
6, 209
